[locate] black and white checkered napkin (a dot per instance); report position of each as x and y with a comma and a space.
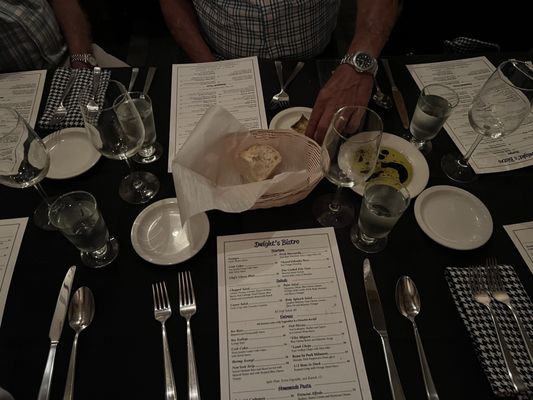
476, 318
84, 79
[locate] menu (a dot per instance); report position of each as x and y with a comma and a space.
11, 232
286, 324
467, 76
233, 84
23, 91
522, 237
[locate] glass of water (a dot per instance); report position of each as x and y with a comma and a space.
384, 202
77, 217
435, 104
151, 150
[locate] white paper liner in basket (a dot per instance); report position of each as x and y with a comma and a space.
206, 176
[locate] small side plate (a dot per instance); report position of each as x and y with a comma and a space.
71, 153
288, 117
453, 217
158, 237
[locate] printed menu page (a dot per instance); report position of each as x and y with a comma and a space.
23, 91
286, 323
11, 232
467, 76
232, 84
522, 237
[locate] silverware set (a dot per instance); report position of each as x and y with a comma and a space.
162, 312
281, 99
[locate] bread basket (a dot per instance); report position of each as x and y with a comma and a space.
312, 165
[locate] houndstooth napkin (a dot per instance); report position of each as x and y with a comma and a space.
84, 79
476, 318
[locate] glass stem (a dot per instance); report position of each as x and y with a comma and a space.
464, 160
137, 183
334, 205
43, 194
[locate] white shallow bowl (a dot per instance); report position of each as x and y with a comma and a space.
288, 117
158, 237
453, 217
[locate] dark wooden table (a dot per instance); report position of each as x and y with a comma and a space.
120, 355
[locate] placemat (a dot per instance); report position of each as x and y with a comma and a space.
83, 80
478, 322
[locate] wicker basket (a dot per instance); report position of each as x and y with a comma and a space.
312, 163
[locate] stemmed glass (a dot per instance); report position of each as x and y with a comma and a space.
498, 109
117, 131
24, 160
349, 154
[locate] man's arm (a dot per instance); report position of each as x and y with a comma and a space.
374, 22
182, 22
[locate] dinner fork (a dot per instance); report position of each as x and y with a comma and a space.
187, 310
498, 292
281, 99
61, 111
162, 312
91, 105
478, 286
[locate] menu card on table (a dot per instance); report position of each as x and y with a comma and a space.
522, 237
233, 84
11, 232
23, 91
466, 77
286, 324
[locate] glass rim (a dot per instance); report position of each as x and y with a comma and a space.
525, 66
14, 112
448, 88
88, 89
94, 207
402, 188
359, 107
136, 92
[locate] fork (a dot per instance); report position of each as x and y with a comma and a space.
92, 107
478, 286
281, 99
162, 312
498, 292
61, 111
187, 310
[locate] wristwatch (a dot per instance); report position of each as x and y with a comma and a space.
86, 58
361, 62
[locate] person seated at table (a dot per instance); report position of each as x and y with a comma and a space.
285, 29
35, 34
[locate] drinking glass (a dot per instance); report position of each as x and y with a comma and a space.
349, 154
435, 104
24, 160
151, 150
116, 130
78, 218
498, 109
384, 202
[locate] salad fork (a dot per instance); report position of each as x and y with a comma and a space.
480, 294
162, 312
61, 111
281, 99
498, 292
187, 310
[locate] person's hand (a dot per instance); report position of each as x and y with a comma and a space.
346, 87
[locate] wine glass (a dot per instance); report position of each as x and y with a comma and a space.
498, 109
24, 160
349, 154
116, 130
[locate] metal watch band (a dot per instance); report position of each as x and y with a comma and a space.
86, 58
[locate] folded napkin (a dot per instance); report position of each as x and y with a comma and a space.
84, 79
476, 318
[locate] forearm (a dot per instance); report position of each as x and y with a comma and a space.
74, 25
182, 23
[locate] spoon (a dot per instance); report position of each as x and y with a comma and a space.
408, 302
381, 99
80, 315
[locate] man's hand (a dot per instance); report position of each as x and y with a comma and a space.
346, 87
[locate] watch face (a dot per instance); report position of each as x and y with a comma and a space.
364, 61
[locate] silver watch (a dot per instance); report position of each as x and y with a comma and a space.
361, 62
85, 58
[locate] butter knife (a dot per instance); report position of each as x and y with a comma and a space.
378, 321
396, 95
149, 78
55, 332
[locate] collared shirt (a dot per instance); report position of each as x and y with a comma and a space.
270, 29
30, 37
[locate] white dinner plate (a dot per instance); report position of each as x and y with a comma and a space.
71, 153
288, 117
453, 217
158, 237
418, 163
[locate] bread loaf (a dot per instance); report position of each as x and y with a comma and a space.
258, 161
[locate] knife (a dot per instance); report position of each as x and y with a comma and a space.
55, 332
148, 81
378, 321
396, 95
